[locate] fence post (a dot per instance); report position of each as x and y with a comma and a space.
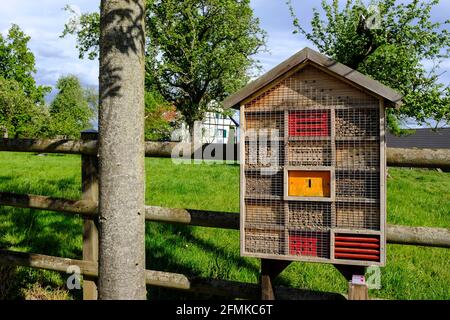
89, 178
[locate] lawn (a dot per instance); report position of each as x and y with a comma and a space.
415, 198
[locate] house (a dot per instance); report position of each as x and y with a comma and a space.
215, 128
421, 138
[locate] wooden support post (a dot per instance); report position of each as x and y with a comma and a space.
266, 281
270, 269
355, 291
89, 176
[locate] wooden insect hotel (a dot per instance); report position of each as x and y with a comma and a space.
313, 165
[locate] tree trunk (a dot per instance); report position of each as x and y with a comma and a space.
191, 131
121, 151
5, 133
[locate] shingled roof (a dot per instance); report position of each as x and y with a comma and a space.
309, 56
421, 138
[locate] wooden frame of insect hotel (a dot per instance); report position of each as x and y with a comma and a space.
313, 166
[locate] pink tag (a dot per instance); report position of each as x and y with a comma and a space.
357, 279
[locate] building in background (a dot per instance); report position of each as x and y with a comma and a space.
215, 128
421, 138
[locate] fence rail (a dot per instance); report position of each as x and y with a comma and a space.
399, 157
87, 208
422, 236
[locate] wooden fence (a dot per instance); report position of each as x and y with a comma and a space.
87, 208
396, 157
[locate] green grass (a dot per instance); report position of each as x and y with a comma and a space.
415, 198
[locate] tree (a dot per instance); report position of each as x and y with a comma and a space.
390, 44
70, 112
91, 96
20, 117
17, 63
198, 50
161, 117
121, 150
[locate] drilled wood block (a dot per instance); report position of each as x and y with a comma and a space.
309, 244
309, 153
309, 123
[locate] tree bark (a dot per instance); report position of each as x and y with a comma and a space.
121, 151
191, 127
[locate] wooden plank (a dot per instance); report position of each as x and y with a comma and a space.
90, 190
242, 180
383, 184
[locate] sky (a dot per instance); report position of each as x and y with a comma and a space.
44, 21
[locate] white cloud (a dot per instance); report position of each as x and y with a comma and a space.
281, 46
44, 21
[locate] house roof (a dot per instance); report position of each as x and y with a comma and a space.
308, 55
421, 138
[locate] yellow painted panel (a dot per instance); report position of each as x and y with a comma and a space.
309, 183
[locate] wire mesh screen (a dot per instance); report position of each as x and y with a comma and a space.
312, 166
357, 215
264, 186
309, 153
357, 185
